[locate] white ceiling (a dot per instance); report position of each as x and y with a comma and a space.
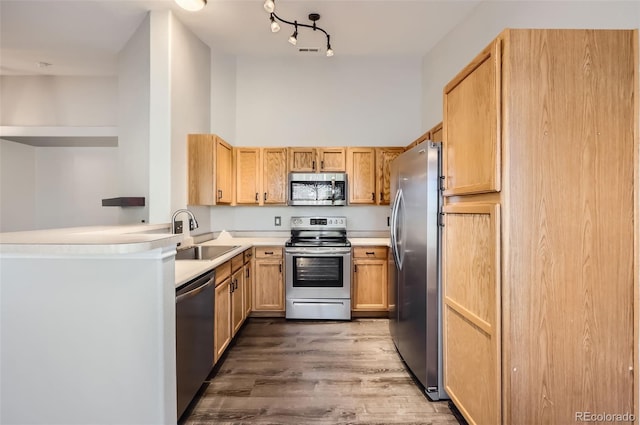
83, 37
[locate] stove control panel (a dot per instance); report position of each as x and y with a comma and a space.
319, 222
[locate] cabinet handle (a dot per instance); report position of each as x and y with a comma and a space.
381, 196
322, 165
313, 165
268, 253
373, 196
256, 196
235, 285
265, 196
280, 267
231, 287
219, 194
369, 253
247, 273
355, 268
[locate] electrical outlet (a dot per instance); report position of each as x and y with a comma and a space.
388, 222
178, 227
277, 221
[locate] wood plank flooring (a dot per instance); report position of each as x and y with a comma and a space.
307, 372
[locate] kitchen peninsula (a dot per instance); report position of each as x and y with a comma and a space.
88, 325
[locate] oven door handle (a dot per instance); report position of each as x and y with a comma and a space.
316, 253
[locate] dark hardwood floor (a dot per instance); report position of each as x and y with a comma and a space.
306, 372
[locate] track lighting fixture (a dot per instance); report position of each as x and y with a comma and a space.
192, 5
275, 27
294, 37
270, 7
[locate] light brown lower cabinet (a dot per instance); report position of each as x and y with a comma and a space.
222, 310
238, 313
471, 312
369, 279
248, 286
268, 283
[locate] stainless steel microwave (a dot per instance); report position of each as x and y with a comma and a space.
317, 189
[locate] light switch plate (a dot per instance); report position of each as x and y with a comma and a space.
277, 221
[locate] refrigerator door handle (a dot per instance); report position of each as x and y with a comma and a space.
394, 229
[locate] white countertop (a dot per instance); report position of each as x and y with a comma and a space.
187, 270
93, 240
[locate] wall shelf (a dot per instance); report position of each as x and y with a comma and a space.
124, 201
61, 136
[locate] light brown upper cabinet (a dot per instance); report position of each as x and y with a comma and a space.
261, 176
435, 134
248, 173
540, 266
361, 175
425, 136
384, 156
274, 176
303, 159
471, 161
209, 169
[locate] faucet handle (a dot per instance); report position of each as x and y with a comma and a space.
193, 224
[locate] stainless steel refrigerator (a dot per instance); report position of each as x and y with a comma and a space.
414, 271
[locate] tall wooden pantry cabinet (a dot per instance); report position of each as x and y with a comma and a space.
540, 243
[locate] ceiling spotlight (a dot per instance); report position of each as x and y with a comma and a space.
191, 5
294, 37
269, 6
275, 27
313, 17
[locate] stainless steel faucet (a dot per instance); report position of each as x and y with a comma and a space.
193, 223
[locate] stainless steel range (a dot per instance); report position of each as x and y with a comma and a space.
318, 269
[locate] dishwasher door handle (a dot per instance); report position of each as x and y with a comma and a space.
192, 293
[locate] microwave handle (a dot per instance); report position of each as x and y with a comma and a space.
333, 191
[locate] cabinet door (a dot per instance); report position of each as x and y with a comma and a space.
248, 176
384, 156
248, 288
222, 333
436, 133
302, 159
370, 285
332, 159
237, 300
268, 285
471, 310
471, 124
274, 176
361, 172
200, 158
224, 172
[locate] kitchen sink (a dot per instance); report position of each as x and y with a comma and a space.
199, 252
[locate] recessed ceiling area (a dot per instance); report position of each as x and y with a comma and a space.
83, 37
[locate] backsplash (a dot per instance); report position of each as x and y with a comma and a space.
238, 218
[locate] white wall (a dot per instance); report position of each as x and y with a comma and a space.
133, 122
190, 110
58, 101
71, 183
320, 101
223, 95
17, 186
489, 18
317, 101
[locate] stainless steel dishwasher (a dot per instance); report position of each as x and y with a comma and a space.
194, 336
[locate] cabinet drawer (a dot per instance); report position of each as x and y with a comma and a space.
237, 262
248, 255
370, 252
268, 252
223, 271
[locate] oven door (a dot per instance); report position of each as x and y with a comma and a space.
318, 272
